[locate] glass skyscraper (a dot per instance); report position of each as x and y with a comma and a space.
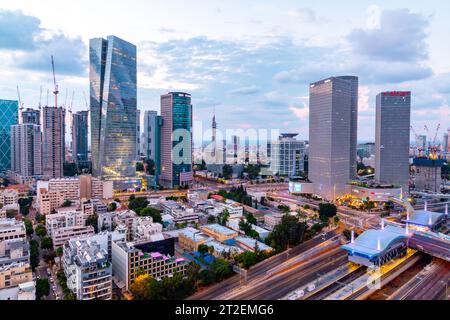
333, 111
392, 137
9, 115
80, 137
176, 139
113, 98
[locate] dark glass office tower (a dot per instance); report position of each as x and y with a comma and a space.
113, 108
392, 133
332, 134
176, 139
80, 137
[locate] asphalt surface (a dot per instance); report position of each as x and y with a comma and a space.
431, 284
215, 291
279, 286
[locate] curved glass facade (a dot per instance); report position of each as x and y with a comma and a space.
113, 107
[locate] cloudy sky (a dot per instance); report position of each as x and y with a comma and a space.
250, 60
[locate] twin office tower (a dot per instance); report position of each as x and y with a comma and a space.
333, 126
113, 93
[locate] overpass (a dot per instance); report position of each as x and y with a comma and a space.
432, 195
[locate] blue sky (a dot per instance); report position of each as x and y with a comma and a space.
249, 60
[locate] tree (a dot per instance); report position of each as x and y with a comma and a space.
93, 221
139, 166
227, 171
151, 212
212, 219
49, 257
253, 171
203, 249
137, 203
67, 203
222, 269
59, 253
39, 218
247, 259
207, 277
289, 232
28, 226
251, 219
284, 209
223, 217
34, 254
112, 207
40, 231
140, 288
327, 211
245, 226
47, 243
150, 167
42, 288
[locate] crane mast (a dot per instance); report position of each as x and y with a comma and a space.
56, 91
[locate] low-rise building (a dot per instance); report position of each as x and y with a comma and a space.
218, 232
12, 229
8, 197
88, 270
126, 218
249, 244
271, 220
61, 235
15, 269
144, 227
222, 250
48, 201
130, 260
64, 219
190, 240
234, 208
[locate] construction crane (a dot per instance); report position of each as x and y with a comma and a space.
85, 100
40, 97
71, 102
419, 148
48, 93
56, 91
20, 104
65, 99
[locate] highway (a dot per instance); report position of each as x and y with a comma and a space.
215, 291
435, 247
430, 284
280, 285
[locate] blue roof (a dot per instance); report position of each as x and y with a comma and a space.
424, 218
367, 243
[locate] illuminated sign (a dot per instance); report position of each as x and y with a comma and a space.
396, 93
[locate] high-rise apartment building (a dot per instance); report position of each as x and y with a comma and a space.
88, 270
31, 116
176, 139
26, 149
392, 134
9, 115
332, 134
80, 137
152, 138
53, 149
287, 156
113, 108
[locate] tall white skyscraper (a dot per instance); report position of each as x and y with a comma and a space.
332, 134
392, 134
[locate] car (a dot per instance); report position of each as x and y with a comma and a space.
54, 288
51, 280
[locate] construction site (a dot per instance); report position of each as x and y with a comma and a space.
429, 159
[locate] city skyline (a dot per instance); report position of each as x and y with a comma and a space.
244, 72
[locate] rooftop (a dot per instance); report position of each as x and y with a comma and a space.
249, 242
425, 218
373, 242
219, 229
